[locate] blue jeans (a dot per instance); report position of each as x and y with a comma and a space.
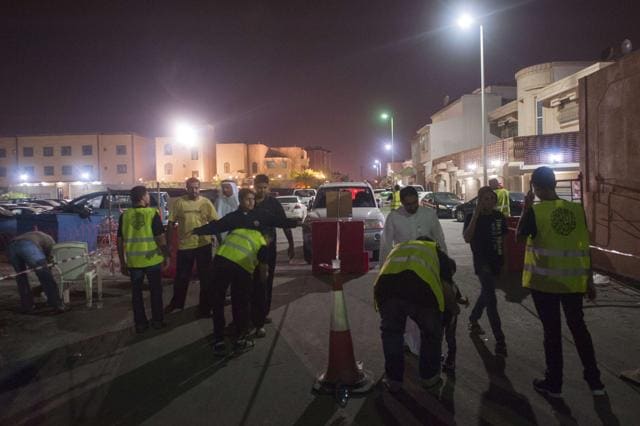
154, 276
488, 300
23, 255
394, 313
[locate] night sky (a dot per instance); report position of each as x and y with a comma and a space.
277, 72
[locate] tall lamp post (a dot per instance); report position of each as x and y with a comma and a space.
378, 167
386, 116
464, 22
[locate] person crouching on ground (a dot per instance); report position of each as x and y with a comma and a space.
31, 250
413, 282
486, 231
142, 249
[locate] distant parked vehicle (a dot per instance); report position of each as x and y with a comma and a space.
516, 203
444, 203
23, 210
306, 195
293, 207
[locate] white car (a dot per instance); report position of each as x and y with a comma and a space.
306, 195
293, 207
364, 208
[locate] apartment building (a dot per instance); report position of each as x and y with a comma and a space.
120, 159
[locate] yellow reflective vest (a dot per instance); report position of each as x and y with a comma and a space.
395, 200
557, 260
140, 245
420, 257
503, 205
241, 246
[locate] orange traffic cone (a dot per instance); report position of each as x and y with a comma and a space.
343, 371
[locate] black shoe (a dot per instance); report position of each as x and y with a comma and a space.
141, 328
158, 324
501, 348
474, 328
597, 388
545, 388
220, 348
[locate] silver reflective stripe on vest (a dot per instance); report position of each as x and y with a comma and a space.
244, 250
246, 238
143, 253
405, 259
555, 272
139, 240
557, 252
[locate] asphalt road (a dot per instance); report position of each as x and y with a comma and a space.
88, 367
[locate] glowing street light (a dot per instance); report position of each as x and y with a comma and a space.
386, 116
24, 177
388, 147
85, 176
465, 21
186, 134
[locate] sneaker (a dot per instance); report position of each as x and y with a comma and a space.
545, 388
141, 328
474, 328
169, 308
597, 389
242, 345
501, 348
392, 386
220, 348
432, 383
260, 332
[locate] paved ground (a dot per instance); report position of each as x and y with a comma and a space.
87, 366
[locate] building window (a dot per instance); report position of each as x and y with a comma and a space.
195, 174
194, 153
48, 170
47, 151
539, 117
122, 169
87, 149
283, 164
67, 170
65, 151
271, 164
168, 150
3, 153
3, 172
168, 168
254, 167
121, 150
227, 168
27, 151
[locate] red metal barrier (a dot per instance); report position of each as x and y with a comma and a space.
353, 257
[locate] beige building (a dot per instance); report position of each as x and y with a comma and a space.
119, 159
241, 161
176, 161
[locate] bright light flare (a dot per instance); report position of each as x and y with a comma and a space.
496, 163
186, 134
555, 158
385, 116
387, 146
465, 21
24, 177
472, 166
85, 176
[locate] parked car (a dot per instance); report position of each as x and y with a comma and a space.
364, 209
118, 200
516, 203
24, 210
293, 207
445, 203
306, 195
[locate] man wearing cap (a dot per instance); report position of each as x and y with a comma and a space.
557, 270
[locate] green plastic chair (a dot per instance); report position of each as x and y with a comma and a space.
79, 269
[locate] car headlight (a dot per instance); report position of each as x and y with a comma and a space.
373, 224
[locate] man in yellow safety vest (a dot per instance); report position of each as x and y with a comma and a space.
395, 197
557, 270
142, 249
413, 282
504, 203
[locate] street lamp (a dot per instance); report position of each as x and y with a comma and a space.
186, 134
465, 21
386, 116
378, 167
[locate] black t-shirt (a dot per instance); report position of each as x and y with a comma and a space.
486, 243
273, 207
156, 225
528, 226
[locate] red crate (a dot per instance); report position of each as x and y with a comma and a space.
351, 237
324, 235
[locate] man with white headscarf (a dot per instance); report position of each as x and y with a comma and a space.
228, 200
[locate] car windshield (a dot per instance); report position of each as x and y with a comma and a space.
446, 197
288, 199
360, 196
303, 193
516, 196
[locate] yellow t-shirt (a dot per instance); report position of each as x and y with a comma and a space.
190, 214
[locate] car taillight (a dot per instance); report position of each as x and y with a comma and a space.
297, 206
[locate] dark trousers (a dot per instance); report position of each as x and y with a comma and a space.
23, 255
548, 307
394, 313
450, 323
272, 255
227, 273
488, 300
154, 276
184, 265
258, 300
